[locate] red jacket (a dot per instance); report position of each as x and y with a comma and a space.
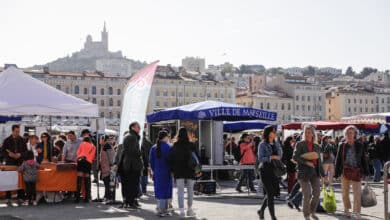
86, 150
248, 156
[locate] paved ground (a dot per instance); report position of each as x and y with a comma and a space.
227, 205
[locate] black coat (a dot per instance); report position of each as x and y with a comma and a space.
16, 146
286, 158
49, 151
145, 150
180, 161
130, 158
362, 163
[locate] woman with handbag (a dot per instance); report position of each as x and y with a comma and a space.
306, 154
351, 165
268, 151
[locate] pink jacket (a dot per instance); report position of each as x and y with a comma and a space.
248, 156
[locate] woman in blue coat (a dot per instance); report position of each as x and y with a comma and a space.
161, 173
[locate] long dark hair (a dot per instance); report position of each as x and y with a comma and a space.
242, 138
267, 131
182, 136
287, 141
161, 135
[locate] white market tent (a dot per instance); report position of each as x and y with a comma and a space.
381, 118
22, 95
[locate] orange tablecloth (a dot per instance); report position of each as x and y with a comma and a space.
54, 180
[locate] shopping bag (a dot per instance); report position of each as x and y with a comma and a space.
329, 200
368, 196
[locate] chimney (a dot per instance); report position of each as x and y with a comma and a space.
9, 65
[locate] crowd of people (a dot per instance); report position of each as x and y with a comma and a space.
349, 159
311, 159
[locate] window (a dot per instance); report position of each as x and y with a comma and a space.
354, 109
208, 95
102, 114
329, 110
383, 100
165, 93
349, 109
67, 90
194, 95
354, 101
58, 87
119, 103
76, 90
118, 92
361, 110
93, 90
282, 106
180, 94
118, 115
289, 106
261, 105
157, 93
297, 98
102, 91
110, 102
360, 101
267, 105
110, 92
158, 103
303, 107
85, 91
366, 101
102, 102
216, 95
297, 107
110, 115
222, 96
319, 98
366, 109
303, 98
349, 100
308, 108
308, 98
94, 100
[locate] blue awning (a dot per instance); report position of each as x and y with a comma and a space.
388, 119
237, 126
4, 119
212, 110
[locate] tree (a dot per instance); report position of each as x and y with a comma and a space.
366, 71
309, 71
350, 72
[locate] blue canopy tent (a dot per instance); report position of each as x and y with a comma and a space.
237, 126
211, 110
4, 119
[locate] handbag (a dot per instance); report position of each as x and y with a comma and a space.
351, 173
279, 168
368, 196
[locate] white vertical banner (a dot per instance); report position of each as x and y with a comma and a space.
135, 99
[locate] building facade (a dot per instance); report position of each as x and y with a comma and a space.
194, 64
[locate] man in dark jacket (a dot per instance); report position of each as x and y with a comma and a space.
384, 146
145, 150
14, 149
130, 166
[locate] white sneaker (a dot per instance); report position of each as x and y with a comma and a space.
190, 212
182, 213
35, 203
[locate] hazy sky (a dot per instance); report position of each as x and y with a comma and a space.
274, 33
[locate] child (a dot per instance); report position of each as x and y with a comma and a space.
29, 169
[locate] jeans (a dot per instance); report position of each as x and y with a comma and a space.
107, 189
144, 184
247, 177
162, 205
181, 183
311, 194
377, 170
31, 191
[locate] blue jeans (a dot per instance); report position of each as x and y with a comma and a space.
144, 184
162, 205
377, 170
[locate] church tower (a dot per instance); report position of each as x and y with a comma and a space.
105, 37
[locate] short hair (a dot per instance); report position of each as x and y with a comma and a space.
15, 127
313, 131
30, 155
59, 143
353, 127
132, 124
34, 136
71, 132
85, 131
87, 139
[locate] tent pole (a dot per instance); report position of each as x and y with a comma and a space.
211, 150
97, 160
199, 137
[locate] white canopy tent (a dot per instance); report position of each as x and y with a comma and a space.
22, 95
381, 118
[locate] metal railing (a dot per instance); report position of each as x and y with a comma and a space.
386, 189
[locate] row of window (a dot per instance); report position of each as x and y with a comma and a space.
194, 95
110, 115
382, 109
276, 106
308, 98
381, 100
77, 90
110, 102
309, 108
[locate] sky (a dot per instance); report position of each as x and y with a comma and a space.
274, 33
